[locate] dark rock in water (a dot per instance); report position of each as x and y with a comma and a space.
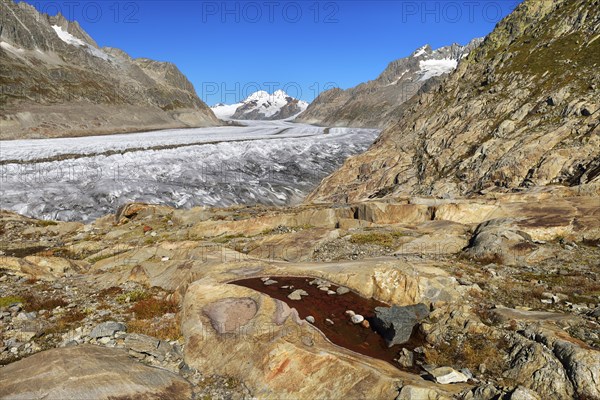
396, 324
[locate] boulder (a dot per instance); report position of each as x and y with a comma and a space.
396, 324
406, 358
47, 268
410, 392
500, 241
88, 372
522, 393
534, 366
107, 329
147, 345
483, 392
447, 375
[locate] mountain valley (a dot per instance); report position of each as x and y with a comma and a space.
430, 234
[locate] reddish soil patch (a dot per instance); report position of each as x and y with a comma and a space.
323, 306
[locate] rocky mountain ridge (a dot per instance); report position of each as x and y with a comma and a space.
374, 103
56, 81
521, 111
262, 106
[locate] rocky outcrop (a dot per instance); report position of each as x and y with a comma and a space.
554, 365
56, 81
274, 350
164, 285
519, 112
500, 241
375, 103
88, 372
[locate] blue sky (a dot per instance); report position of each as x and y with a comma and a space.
228, 49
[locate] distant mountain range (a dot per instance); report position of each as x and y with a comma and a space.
374, 103
56, 81
262, 106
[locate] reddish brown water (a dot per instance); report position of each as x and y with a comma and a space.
322, 306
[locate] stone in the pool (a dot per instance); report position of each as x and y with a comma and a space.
350, 313
269, 282
328, 321
310, 319
396, 324
357, 318
297, 294
330, 292
342, 290
324, 288
365, 324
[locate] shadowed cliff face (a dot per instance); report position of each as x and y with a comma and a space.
57, 82
519, 111
375, 103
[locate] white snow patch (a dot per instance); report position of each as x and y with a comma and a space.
73, 41
225, 110
67, 37
431, 68
420, 51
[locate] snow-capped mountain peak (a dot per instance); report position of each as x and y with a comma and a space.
262, 105
423, 50
261, 94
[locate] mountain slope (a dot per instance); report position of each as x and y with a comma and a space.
262, 106
519, 112
57, 82
374, 103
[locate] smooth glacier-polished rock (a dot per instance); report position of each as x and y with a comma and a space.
88, 372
